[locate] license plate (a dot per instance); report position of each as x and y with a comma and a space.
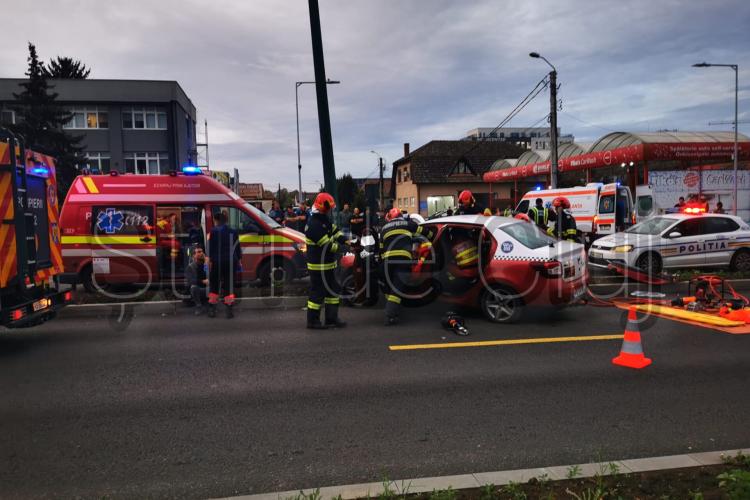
40, 304
596, 255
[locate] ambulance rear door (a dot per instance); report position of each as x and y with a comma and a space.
123, 243
645, 204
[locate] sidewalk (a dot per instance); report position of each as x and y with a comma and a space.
500, 478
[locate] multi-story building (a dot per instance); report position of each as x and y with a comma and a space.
135, 126
537, 138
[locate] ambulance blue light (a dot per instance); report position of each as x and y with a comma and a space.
191, 170
538, 188
40, 170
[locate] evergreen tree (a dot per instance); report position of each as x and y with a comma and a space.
66, 67
39, 122
347, 189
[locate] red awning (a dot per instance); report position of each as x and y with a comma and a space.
638, 152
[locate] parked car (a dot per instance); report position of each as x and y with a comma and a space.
518, 266
677, 241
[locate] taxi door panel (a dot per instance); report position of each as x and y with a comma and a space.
687, 250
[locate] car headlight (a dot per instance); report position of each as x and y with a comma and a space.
623, 249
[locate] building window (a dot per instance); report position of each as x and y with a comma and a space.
146, 163
87, 118
144, 118
98, 163
412, 201
8, 116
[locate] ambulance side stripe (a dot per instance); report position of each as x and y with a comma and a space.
111, 198
90, 185
103, 240
261, 250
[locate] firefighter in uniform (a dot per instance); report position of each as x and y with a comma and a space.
324, 242
467, 205
224, 254
398, 237
508, 212
565, 223
540, 214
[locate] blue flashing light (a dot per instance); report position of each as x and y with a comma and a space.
191, 170
40, 170
538, 188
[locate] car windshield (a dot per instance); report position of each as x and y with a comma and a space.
652, 226
529, 235
269, 221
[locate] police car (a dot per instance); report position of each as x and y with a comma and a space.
677, 241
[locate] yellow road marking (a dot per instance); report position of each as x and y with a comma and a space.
485, 343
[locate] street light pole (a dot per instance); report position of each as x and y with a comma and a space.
552, 119
736, 68
296, 107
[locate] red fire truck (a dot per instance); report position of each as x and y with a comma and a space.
30, 249
141, 229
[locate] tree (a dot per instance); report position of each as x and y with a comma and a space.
40, 121
347, 189
66, 67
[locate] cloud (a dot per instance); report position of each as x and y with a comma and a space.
410, 71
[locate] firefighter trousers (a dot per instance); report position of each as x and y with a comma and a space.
396, 279
324, 290
221, 282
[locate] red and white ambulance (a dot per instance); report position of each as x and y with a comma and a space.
123, 228
599, 209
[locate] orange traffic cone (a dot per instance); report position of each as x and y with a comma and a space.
631, 353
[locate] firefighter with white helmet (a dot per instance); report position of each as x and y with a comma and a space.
565, 223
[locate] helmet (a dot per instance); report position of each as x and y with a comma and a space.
561, 201
522, 217
392, 214
417, 218
466, 198
324, 202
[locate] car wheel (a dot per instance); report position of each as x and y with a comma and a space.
740, 261
649, 263
501, 304
276, 273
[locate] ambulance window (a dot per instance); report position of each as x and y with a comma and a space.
607, 204
523, 207
239, 220
719, 225
115, 220
645, 205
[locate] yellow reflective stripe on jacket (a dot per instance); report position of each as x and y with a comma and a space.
393, 298
334, 247
426, 244
332, 300
397, 253
468, 260
313, 305
321, 267
466, 252
107, 240
337, 234
394, 232
267, 238
323, 240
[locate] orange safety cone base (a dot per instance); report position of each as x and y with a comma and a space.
631, 361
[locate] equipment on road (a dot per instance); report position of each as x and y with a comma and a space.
31, 261
455, 323
631, 353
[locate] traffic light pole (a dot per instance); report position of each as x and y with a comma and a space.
324, 119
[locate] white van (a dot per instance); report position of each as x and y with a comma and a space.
598, 209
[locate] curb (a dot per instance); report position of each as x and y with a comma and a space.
500, 478
176, 307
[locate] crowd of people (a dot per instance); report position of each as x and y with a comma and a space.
699, 202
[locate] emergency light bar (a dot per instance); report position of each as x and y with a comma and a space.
191, 170
694, 210
39, 170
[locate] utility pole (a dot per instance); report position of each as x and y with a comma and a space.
324, 119
553, 127
380, 168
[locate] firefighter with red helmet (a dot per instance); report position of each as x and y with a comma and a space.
565, 223
467, 205
324, 242
398, 237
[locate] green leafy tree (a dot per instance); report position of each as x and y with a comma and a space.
40, 120
66, 67
347, 189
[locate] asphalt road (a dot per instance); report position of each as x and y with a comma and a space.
181, 407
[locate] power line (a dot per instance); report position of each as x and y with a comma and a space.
586, 123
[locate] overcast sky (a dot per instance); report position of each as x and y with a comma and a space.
411, 70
